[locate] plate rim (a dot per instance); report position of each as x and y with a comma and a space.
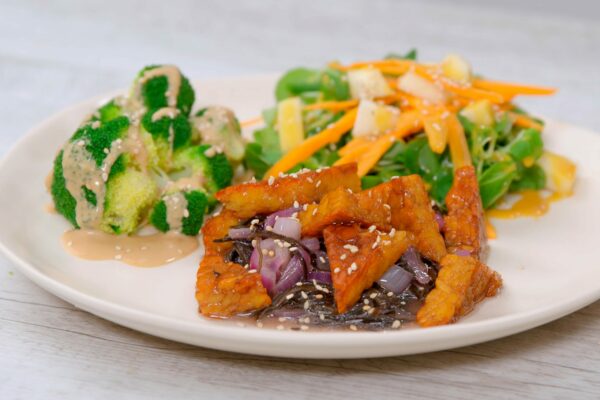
243, 340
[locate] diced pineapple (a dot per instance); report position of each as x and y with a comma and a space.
456, 68
374, 119
368, 83
412, 83
560, 173
479, 112
289, 123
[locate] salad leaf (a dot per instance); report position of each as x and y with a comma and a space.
334, 85
296, 81
410, 55
495, 181
527, 145
533, 178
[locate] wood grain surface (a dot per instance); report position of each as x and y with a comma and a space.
55, 53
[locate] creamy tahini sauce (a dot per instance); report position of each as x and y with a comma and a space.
141, 251
170, 112
173, 78
80, 169
176, 210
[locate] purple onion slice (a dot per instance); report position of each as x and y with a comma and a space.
396, 279
288, 227
414, 263
320, 276
288, 212
292, 273
240, 233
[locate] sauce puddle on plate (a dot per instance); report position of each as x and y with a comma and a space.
140, 251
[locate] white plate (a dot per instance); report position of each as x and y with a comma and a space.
549, 265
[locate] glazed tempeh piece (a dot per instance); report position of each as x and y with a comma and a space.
461, 283
360, 257
465, 224
274, 194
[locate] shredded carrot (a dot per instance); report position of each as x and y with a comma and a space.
250, 122
409, 122
355, 154
459, 149
507, 89
331, 134
357, 142
525, 122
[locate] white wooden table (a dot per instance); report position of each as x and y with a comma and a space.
56, 53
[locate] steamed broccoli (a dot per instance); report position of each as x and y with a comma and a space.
204, 159
218, 126
154, 90
109, 111
64, 202
193, 215
170, 132
129, 195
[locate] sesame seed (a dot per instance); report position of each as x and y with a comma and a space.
319, 296
336, 270
353, 328
396, 324
304, 327
318, 183
366, 308
343, 257
304, 295
280, 327
254, 221
322, 316
264, 252
281, 319
314, 211
296, 204
373, 295
271, 253
305, 207
289, 296
259, 324
349, 190
118, 257
306, 304
393, 232
374, 245
322, 259
390, 294
293, 248
254, 242
298, 284
366, 301
271, 180
372, 228
268, 228
309, 179
186, 213
387, 206
353, 266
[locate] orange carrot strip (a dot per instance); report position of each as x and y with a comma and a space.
357, 142
513, 89
459, 149
250, 122
409, 122
331, 134
525, 122
472, 92
490, 230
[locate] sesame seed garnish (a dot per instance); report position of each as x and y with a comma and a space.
318, 183
304, 327
322, 259
373, 295
314, 211
271, 253
309, 179
293, 248
372, 228
264, 252
259, 324
336, 270
390, 294
305, 207
306, 304
253, 242
393, 232
366, 301
304, 295
396, 324
322, 316
343, 257
186, 213
268, 228
349, 190
118, 257
271, 180
387, 206
298, 284
366, 308
296, 204
374, 245
280, 327
319, 296
81, 143
289, 296
353, 328
353, 266
281, 319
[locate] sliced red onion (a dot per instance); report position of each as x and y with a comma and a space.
288, 212
414, 263
311, 243
240, 233
396, 279
439, 218
462, 252
273, 257
292, 273
288, 227
320, 276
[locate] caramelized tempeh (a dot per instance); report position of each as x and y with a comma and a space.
223, 288
358, 258
267, 196
461, 283
465, 224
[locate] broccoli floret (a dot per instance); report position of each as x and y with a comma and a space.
153, 91
129, 195
194, 215
218, 126
108, 111
98, 139
174, 124
203, 159
64, 202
